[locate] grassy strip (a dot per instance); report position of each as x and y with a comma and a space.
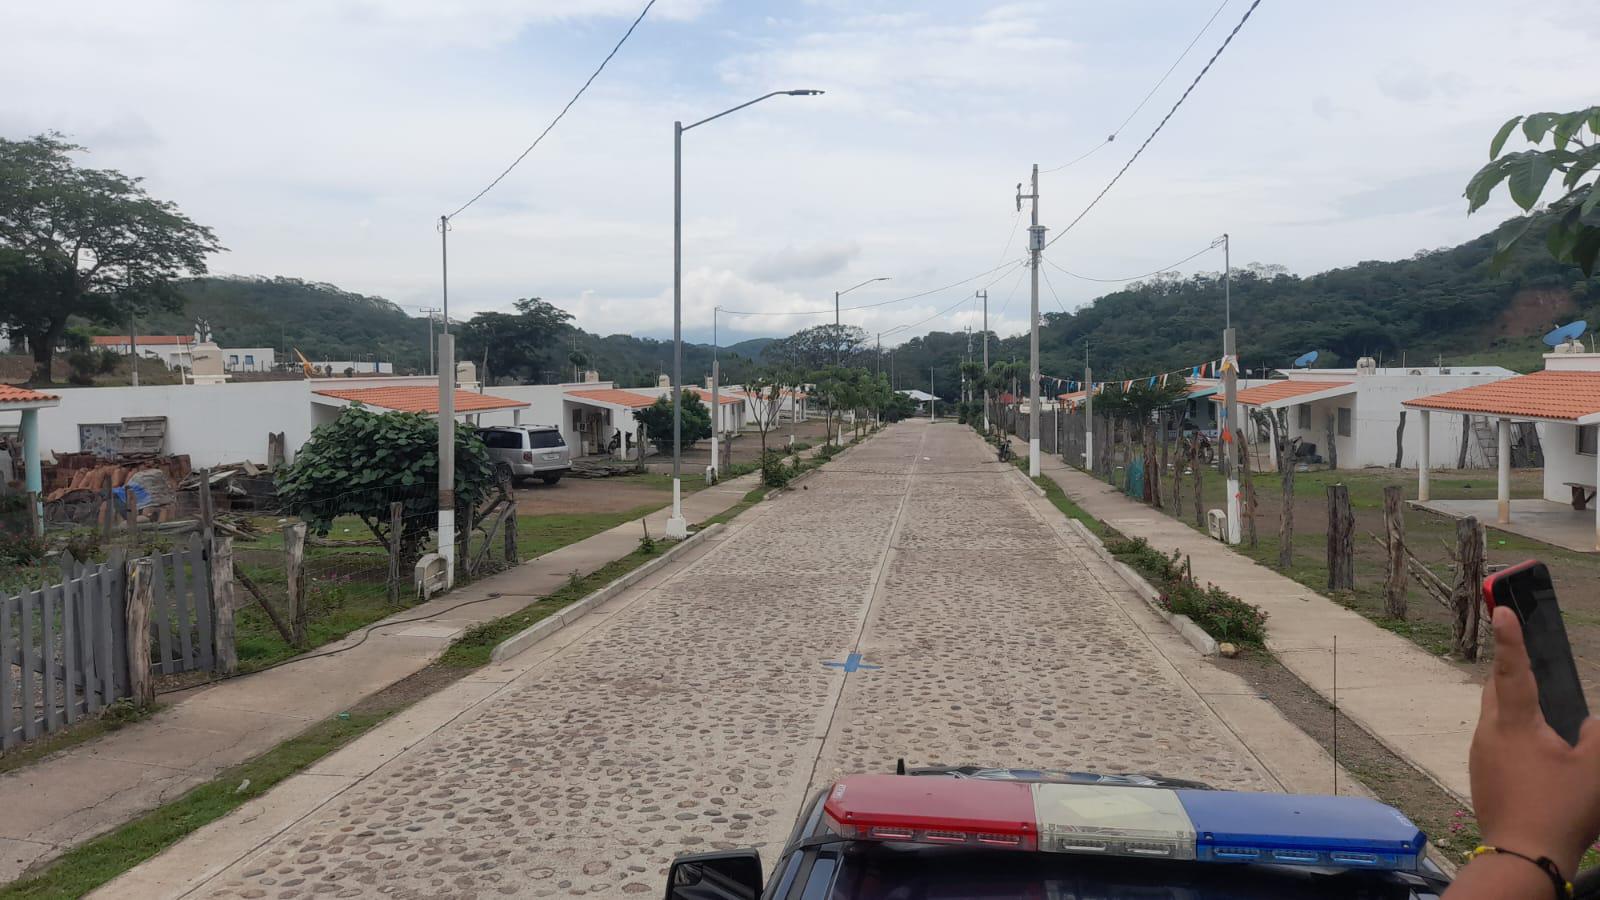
91, 865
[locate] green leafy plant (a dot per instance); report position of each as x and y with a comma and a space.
362, 461
775, 473
1574, 217
20, 548
1217, 612
657, 421
647, 545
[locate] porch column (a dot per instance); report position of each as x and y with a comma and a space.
1597, 505
1424, 457
1504, 487
516, 417
32, 479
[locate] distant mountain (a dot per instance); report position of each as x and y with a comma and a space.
751, 348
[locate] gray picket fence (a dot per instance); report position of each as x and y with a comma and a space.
65, 647
63, 651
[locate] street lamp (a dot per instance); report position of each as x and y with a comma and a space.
677, 528
837, 342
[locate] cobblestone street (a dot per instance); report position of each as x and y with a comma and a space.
909, 600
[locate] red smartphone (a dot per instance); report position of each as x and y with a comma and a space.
1527, 590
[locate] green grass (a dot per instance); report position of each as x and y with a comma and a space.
1058, 497
120, 713
97, 862
538, 535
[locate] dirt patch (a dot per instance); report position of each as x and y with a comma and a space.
1449, 826
620, 493
1534, 311
747, 446
410, 689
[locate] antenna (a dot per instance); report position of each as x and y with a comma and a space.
1568, 332
1305, 360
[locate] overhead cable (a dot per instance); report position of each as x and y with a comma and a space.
548, 128
1162, 124
1207, 249
830, 310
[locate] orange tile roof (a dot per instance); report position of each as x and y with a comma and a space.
1073, 399
1566, 396
724, 398
1282, 390
615, 397
10, 393
111, 340
420, 399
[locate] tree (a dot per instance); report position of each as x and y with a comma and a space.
657, 421
84, 242
1574, 217
579, 360
767, 391
817, 347
520, 345
362, 461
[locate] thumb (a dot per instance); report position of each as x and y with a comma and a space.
1516, 693
1589, 739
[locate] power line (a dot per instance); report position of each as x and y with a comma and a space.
947, 310
1009, 294
1052, 288
830, 310
1163, 80
1162, 124
1207, 249
548, 128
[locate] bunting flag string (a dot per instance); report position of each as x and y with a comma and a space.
1211, 368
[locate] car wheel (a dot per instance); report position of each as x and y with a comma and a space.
503, 476
550, 479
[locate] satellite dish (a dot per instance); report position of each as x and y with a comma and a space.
1570, 332
1305, 360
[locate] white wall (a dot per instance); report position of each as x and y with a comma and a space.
545, 406
1377, 407
1562, 463
215, 423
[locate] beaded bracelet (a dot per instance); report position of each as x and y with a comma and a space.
1562, 885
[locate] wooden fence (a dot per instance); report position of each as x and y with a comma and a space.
62, 652
180, 611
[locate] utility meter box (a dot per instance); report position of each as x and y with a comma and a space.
1217, 524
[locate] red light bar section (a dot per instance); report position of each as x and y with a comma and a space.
972, 812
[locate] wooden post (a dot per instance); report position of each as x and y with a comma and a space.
1341, 539
1247, 484
207, 511
638, 449
511, 536
108, 511
141, 582
1199, 483
35, 517
275, 449
1333, 445
1286, 471
1177, 475
294, 579
1394, 587
222, 605
1468, 590
1400, 440
397, 521
131, 503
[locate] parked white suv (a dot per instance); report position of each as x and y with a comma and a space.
528, 451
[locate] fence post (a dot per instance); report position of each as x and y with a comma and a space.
141, 687
294, 579
1468, 591
108, 511
226, 655
1394, 587
397, 521
511, 535
1341, 540
207, 511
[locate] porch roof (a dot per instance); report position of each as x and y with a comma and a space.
1548, 396
1278, 394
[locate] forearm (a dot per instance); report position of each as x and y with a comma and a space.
1497, 877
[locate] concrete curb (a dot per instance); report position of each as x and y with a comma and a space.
549, 625
1184, 625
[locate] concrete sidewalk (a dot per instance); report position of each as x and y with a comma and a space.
1419, 706
70, 797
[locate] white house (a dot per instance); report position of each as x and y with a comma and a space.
249, 359
171, 349
1563, 403
1359, 411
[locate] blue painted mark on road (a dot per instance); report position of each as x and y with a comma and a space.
851, 663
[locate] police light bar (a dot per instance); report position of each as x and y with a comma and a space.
1110, 820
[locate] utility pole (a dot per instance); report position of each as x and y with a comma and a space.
1035, 247
716, 410
1088, 412
133, 344
1232, 434
447, 415
933, 399
985, 295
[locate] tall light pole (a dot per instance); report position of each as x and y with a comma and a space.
1035, 247
716, 410
677, 527
1232, 433
985, 295
447, 415
837, 342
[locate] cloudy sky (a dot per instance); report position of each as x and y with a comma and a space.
322, 139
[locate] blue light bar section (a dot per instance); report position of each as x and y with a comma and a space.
1297, 830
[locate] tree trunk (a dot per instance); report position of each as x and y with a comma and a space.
1199, 485
1400, 439
1468, 591
1152, 471
1394, 587
1248, 487
42, 345
1466, 434
1285, 453
1341, 540
1177, 475
1333, 446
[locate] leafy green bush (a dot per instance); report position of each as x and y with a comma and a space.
775, 472
1217, 612
657, 420
20, 548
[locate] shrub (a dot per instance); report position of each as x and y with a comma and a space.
1217, 612
20, 548
775, 473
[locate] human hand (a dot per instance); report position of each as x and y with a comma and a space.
1532, 791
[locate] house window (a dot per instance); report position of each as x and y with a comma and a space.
1588, 438
1304, 412
1344, 421
249, 359
233, 359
